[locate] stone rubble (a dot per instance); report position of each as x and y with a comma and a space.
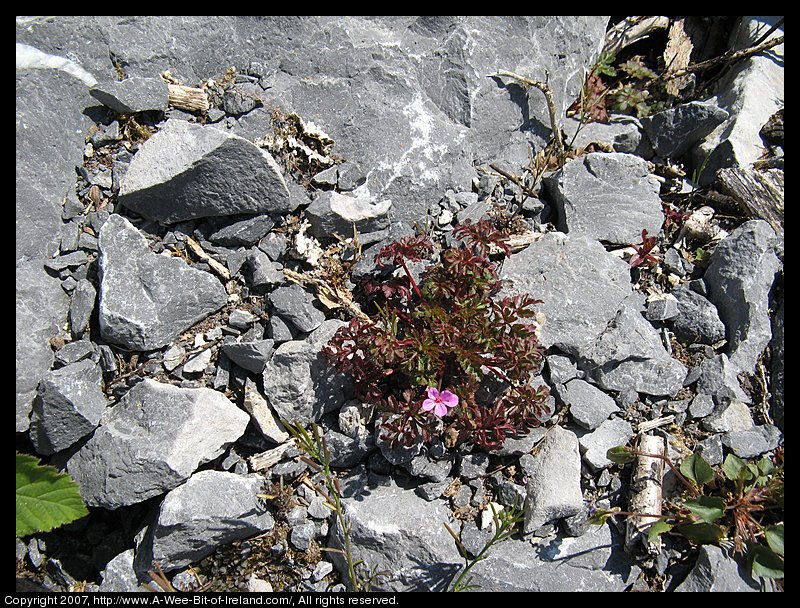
210, 354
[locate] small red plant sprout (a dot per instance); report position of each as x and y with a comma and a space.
643, 251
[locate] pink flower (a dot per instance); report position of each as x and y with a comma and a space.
439, 402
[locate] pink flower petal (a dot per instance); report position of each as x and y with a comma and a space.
428, 404
449, 399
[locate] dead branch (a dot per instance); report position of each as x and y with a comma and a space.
558, 139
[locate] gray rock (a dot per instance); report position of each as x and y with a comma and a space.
698, 320
729, 416
81, 307
581, 285
147, 300
252, 356
68, 406
751, 92
47, 153
244, 232
661, 309
119, 575
740, 275
562, 368
300, 383
211, 509
297, 305
332, 212
41, 310
674, 131
778, 372
752, 442
589, 406
715, 570
151, 441
609, 196
702, 405
621, 131
718, 377
397, 531
264, 273
346, 452
187, 171
132, 94
474, 465
629, 354
594, 445
595, 561
553, 490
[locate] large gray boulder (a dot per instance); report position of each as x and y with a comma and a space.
300, 383
609, 196
553, 490
41, 310
396, 531
595, 561
591, 313
152, 440
68, 406
146, 299
187, 171
212, 508
740, 275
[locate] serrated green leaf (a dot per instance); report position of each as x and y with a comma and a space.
701, 533
46, 499
696, 470
765, 562
620, 454
708, 508
774, 536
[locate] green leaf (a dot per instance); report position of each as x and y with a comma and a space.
46, 498
774, 536
696, 470
735, 468
701, 533
765, 562
656, 529
620, 454
708, 508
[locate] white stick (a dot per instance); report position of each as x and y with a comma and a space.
645, 495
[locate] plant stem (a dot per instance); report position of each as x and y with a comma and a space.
674, 469
410, 278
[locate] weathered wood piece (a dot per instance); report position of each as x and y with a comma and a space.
645, 495
759, 193
188, 98
268, 459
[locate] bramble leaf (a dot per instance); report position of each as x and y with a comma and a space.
46, 499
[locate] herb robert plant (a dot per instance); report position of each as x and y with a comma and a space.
432, 349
